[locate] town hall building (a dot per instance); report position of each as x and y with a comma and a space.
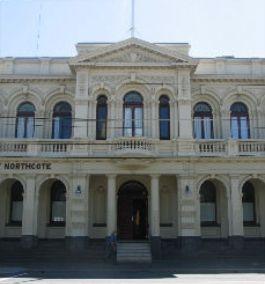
135, 139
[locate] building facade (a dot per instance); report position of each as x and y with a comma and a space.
135, 138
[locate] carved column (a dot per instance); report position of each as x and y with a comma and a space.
235, 213
155, 216
111, 205
29, 217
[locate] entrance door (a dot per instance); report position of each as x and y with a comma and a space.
132, 212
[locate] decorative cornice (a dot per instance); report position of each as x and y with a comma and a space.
228, 78
26, 78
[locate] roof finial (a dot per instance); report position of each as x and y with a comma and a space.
133, 19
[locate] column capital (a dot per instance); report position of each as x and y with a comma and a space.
80, 175
153, 176
111, 176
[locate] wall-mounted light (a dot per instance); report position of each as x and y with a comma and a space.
78, 190
187, 189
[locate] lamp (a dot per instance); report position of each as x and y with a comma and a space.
78, 190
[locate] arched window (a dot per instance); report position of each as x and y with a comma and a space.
25, 122
133, 114
16, 203
203, 121
102, 114
164, 118
58, 203
248, 200
208, 203
62, 121
239, 121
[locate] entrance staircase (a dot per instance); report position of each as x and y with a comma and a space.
134, 252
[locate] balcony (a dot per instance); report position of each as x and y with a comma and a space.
133, 146
130, 147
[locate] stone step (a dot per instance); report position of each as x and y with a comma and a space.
133, 252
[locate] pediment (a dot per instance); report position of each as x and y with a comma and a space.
131, 52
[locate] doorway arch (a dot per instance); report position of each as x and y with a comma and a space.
132, 211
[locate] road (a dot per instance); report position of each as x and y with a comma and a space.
130, 277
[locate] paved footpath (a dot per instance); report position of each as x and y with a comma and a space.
186, 271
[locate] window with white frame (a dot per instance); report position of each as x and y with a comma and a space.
62, 121
133, 115
239, 121
25, 120
203, 121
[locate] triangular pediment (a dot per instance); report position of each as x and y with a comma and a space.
131, 52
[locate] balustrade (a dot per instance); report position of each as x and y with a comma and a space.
131, 146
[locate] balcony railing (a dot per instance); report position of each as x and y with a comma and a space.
211, 147
131, 146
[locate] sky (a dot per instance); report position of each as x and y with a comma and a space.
30, 28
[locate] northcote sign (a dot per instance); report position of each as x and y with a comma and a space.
25, 166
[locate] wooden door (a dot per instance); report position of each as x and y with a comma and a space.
125, 222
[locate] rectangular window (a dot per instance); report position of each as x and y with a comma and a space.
197, 128
244, 127
20, 127
234, 128
128, 122
138, 122
17, 211
58, 211
56, 128
208, 212
30, 127
207, 123
248, 212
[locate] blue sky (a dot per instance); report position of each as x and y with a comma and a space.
212, 27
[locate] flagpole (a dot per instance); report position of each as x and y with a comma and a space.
133, 19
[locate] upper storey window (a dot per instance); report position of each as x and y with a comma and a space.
102, 113
164, 118
203, 121
62, 121
133, 115
239, 121
25, 123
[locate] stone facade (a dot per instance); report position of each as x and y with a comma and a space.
172, 170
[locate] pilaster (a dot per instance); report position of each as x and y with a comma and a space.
81, 104
77, 234
184, 104
188, 219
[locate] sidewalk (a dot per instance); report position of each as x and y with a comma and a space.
179, 266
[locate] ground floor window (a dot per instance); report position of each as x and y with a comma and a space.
58, 203
16, 204
208, 203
